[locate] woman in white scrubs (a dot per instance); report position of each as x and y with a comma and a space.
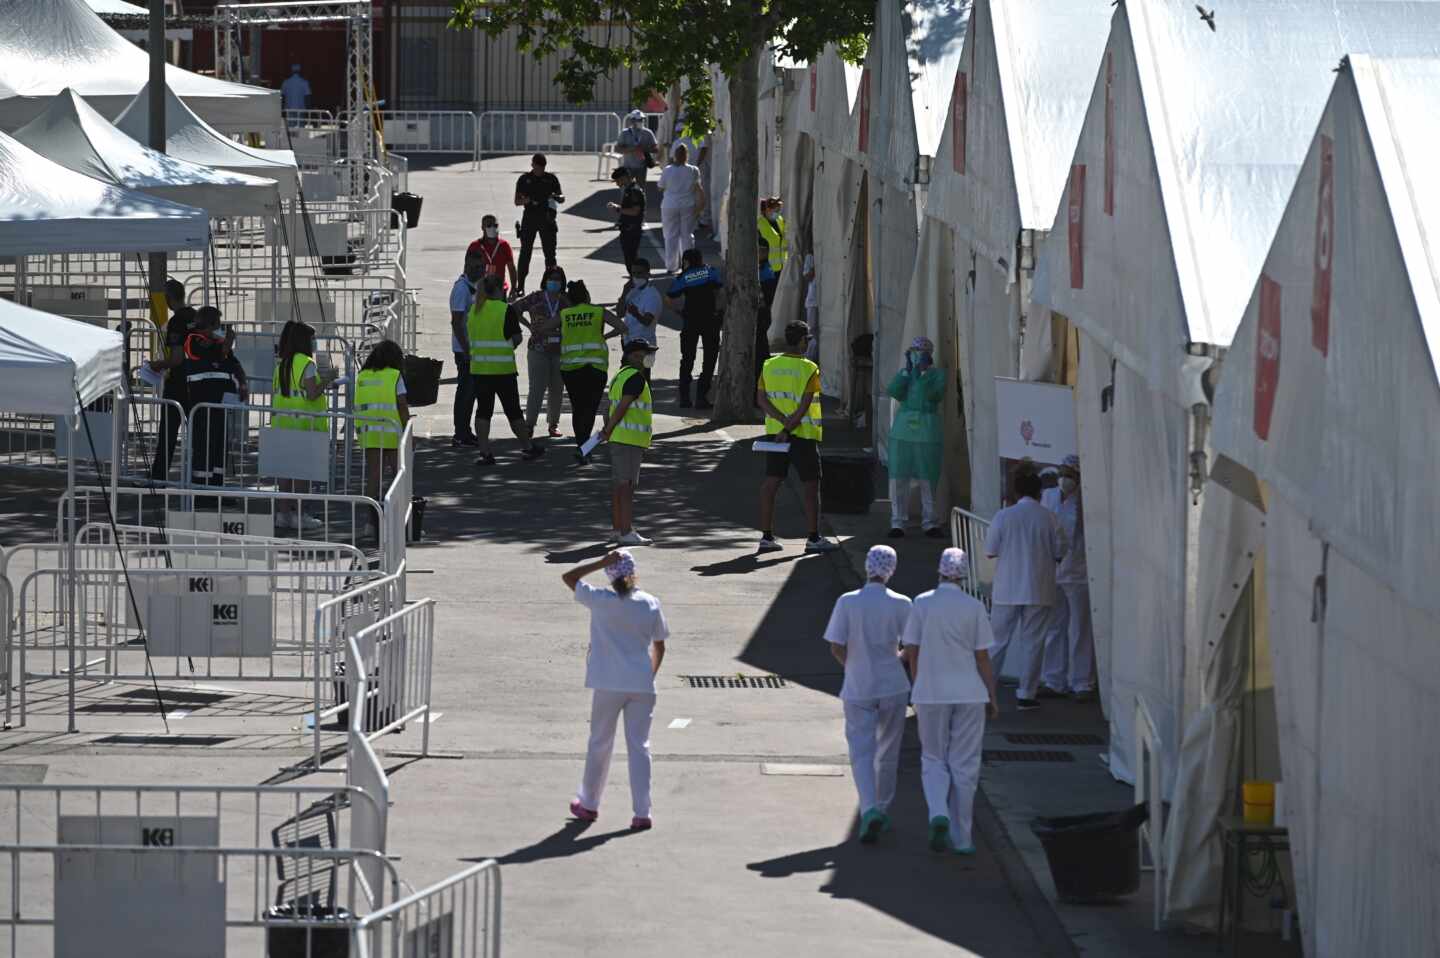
946, 646
627, 644
864, 636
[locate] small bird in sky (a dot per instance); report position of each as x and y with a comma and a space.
1208, 16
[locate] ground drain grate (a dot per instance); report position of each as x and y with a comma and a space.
1053, 738
201, 740
734, 681
1020, 755
178, 696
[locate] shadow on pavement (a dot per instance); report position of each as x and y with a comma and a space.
569, 840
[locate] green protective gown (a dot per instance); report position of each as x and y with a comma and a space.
917, 435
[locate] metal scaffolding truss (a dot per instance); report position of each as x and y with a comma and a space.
356, 15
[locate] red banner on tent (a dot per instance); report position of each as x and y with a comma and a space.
1267, 355
959, 114
1324, 249
865, 110
813, 84
1075, 205
1109, 134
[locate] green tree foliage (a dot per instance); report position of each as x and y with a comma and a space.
671, 41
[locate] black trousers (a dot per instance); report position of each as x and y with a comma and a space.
768, 289
165, 442
708, 336
505, 387
207, 448
532, 224
586, 389
464, 395
630, 246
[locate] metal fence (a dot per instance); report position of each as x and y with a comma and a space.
395, 657
336, 620
432, 131
455, 918
521, 131
967, 532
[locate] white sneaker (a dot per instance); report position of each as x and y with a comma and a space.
633, 538
769, 544
820, 544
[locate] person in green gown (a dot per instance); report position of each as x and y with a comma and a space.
916, 438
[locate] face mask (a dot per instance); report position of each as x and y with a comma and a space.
492, 232
1068, 485
772, 217
640, 282
552, 286
648, 361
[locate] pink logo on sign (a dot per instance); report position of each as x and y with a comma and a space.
1267, 355
1027, 430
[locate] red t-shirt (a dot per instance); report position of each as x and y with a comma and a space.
497, 256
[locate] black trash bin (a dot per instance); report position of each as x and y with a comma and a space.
1096, 857
847, 480
409, 204
422, 380
326, 933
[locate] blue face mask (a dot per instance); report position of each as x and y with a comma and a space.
552, 286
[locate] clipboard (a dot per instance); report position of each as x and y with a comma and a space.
765, 445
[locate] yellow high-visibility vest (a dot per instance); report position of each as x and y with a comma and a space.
582, 338
377, 408
491, 354
777, 241
296, 400
634, 429
785, 378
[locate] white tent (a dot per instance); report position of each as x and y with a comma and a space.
46, 361
72, 134
190, 138
1190, 148
46, 208
1329, 396
49, 45
721, 140
1014, 109
899, 117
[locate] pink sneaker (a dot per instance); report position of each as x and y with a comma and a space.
640, 824
581, 812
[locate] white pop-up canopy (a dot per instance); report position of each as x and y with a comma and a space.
49, 45
72, 134
1190, 149
1015, 86
1330, 395
189, 137
47, 361
46, 208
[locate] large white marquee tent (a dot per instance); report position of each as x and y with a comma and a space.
50, 45
72, 134
1013, 115
1329, 397
1174, 193
51, 366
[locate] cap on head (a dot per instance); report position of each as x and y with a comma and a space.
621, 173
1049, 471
880, 562
923, 344
635, 116
954, 564
621, 566
639, 346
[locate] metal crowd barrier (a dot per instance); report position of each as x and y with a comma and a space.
967, 531
522, 131
458, 917
395, 656
236, 447
336, 620
433, 131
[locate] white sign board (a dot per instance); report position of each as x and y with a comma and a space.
1035, 420
157, 903
201, 624
295, 454
101, 424
260, 524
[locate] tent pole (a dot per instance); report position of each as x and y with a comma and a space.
70, 603
156, 43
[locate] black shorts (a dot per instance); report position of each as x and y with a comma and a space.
804, 455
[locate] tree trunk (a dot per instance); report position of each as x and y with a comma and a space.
735, 398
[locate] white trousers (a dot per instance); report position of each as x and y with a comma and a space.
950, 738
1070, 645
900, 502
873, 729
1024, 627
605, 711
678, 226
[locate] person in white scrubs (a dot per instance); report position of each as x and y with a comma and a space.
627, 645
864, 635
1027, 541
946, 645
1070, 646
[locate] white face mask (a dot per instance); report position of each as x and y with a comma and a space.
648, 361
1068, 485
492, 232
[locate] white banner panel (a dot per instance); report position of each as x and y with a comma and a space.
295, 454
1036, 420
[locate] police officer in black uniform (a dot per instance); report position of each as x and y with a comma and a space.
540, 194
696, 293
630, 213
177, 328
211, 373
